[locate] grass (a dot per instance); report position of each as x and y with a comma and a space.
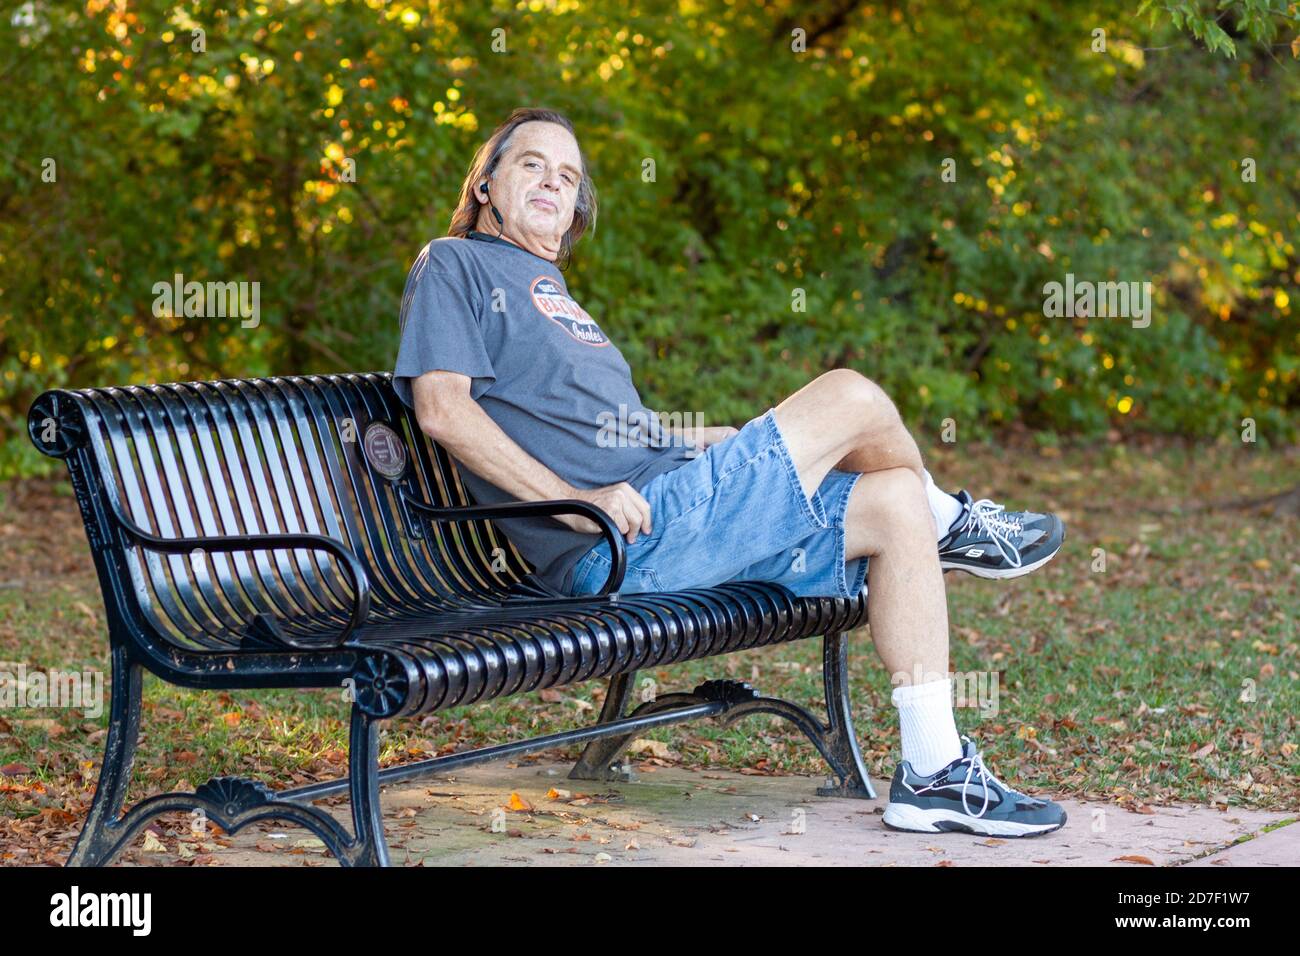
1169, 676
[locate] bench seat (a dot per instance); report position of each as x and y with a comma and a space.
497, 653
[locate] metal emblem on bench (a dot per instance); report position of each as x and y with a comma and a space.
384, 450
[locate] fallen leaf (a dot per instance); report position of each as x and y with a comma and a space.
656, 748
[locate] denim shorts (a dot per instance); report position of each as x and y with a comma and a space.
737, 512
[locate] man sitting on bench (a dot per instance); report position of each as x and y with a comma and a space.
519, 383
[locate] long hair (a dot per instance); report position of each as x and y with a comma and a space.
484, 166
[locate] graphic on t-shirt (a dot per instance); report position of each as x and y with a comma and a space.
560, 308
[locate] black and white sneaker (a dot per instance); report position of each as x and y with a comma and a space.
965, 797
988, 541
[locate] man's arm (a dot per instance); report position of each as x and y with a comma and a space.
449, 416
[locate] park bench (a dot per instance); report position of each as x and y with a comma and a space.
302, 532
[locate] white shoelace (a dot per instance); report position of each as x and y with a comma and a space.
985, 777
990, 518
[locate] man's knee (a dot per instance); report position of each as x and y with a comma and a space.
896, 497
888, 510
874, 409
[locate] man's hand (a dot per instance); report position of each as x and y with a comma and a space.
703, 437
624, 505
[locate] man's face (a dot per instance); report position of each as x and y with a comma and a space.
534, 187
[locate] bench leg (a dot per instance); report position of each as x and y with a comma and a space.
841, 739
233, 802
599, 760
95, 844
369, 848
835, 739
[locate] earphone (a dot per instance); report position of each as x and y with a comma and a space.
500, 222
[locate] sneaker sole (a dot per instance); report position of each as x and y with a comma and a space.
912, 819
998, 572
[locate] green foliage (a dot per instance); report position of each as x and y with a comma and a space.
1258, 20
776, 170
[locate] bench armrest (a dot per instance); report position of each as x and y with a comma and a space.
350, 563
526, 509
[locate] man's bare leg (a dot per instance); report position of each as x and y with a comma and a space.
887, 521
843, 420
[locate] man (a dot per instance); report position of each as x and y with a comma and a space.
517, 382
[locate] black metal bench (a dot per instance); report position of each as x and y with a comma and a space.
303, 532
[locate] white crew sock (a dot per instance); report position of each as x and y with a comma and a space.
945, 507
930, 740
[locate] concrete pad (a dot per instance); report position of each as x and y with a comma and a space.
1280, 847
673, 817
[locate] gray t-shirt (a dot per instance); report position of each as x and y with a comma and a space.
542, 369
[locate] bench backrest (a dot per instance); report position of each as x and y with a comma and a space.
320, 454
